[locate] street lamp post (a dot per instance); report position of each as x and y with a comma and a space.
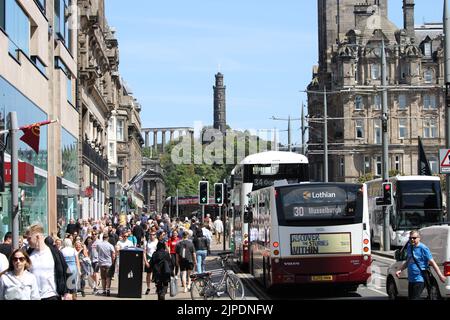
385, 140
447, 92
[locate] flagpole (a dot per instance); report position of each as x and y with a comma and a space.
13, 129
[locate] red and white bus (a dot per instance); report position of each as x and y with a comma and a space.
253, 173
310, 233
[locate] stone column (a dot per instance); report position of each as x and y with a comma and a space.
163, 141
146, 139
171, 136
155, 141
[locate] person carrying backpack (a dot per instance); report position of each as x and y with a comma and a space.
201, 249
162, 270
186, 260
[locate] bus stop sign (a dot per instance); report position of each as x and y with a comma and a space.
444, 160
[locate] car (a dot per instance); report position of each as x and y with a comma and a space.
437, 238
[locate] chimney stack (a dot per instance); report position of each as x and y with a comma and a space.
408, 17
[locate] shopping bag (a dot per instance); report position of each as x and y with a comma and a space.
173, 287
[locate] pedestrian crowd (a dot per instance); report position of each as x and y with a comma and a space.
62, 265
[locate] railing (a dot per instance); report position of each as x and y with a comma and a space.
90, 154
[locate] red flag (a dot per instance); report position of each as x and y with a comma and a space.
32, 134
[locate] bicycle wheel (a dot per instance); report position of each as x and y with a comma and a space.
200, 290
235, 287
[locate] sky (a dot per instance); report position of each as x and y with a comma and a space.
171, 50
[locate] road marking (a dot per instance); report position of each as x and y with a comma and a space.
378, 291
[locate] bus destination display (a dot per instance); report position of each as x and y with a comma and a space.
320, 243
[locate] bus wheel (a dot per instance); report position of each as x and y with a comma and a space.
391, 289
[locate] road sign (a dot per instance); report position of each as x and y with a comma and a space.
444, 160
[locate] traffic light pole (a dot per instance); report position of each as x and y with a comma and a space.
384, 119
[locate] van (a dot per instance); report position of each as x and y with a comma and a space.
437, 238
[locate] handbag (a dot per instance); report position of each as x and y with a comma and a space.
426, 274
173, 287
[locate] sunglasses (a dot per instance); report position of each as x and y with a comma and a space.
413, 238
21, 259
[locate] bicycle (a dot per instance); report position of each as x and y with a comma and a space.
204, 288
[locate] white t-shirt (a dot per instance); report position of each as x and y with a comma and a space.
4, 263
43, 268
150, 248
124, 244
218, 225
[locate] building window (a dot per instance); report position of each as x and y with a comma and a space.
359, 129
427, 49
379, 166
69, 90
17, 26
404, 71
428, 75
62, 18
111, 128
377, 102
429, 128
358, 103
397, 163
41, 5
367, 167
2, 14
429, 101
377, 131
402, 102
120, 128
111, 151
433, 161
341, 167
375, 71
402, 128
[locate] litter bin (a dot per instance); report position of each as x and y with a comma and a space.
130, 273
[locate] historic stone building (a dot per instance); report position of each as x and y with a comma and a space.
350, 37
110, 125
220, 106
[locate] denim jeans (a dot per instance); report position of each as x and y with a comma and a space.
201, 260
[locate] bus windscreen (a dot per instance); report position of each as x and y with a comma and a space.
419, 195
310, 203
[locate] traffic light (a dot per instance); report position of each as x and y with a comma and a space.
388, 197
218, 193
203, 192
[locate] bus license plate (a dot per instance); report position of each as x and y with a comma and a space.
322, 278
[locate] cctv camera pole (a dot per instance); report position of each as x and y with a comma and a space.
447, 93
13, 129
384, 119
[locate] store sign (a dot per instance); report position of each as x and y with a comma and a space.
320, 243
26, 174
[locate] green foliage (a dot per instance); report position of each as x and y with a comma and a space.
365, 178
185, 177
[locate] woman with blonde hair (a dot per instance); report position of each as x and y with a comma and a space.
71, 257
17, 283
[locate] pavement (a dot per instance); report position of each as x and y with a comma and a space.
211, 263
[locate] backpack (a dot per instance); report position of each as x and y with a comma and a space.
183, 250
164, 268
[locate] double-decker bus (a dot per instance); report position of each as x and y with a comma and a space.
310, 234
417, 203
255, 172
